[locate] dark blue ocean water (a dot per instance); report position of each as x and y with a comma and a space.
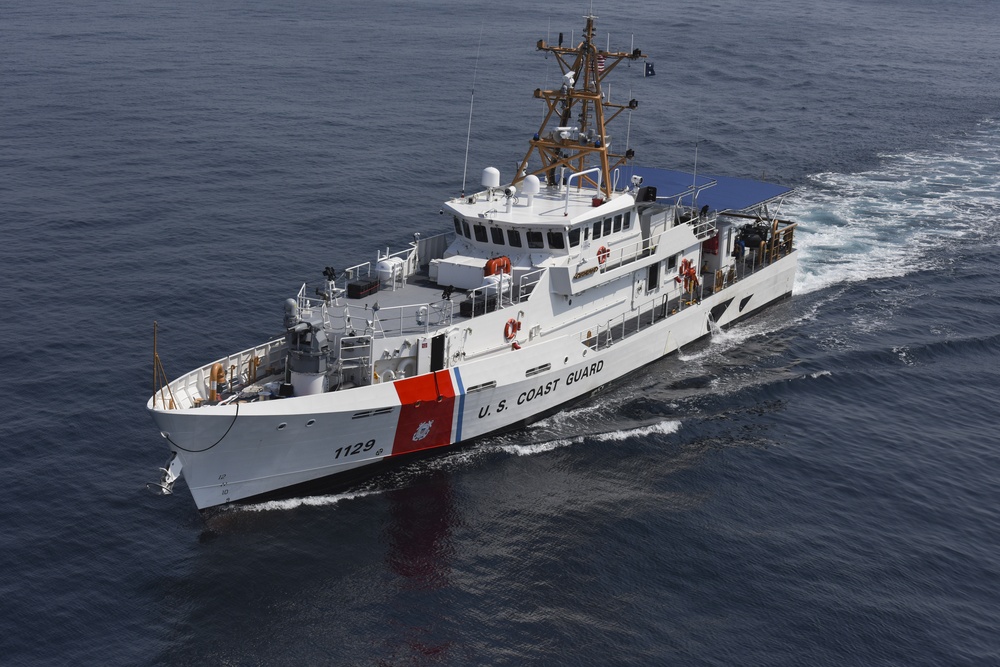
817, 486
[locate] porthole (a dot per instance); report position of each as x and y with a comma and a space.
310, 423
281, 426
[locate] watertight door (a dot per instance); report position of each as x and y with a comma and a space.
437, 352
653, 278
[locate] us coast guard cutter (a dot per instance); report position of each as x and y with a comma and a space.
578, 271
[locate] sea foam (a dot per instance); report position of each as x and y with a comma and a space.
882, 223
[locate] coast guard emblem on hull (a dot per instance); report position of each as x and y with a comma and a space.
422, 430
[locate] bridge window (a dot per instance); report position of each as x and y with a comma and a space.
514, 238
465, 228
628, 220
535, 240
607, 226
480, 233
557, 241
618, 222
574, 237
458, 225
597, 230
497, 235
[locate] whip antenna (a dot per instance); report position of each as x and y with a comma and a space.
472, 100
694, 181
628, 130
694, 178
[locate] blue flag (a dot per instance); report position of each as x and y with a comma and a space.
649, 70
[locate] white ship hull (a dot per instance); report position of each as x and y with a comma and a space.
581, 269
238, 451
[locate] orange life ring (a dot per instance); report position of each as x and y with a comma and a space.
511, 328
602, 254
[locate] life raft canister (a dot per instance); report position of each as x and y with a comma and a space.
602, 254
510, 329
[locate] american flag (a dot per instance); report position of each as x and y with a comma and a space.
600, 62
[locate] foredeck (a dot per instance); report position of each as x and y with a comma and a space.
418, 288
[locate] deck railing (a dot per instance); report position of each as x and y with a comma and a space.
412, 257
241, 369
362, 270
354, 358
704, 226
406, 319
627, 324
490, 298
627, 254
664, 306
526, 283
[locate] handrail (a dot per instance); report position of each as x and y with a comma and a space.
521, 284
642, 248
580, 175
399, 320
242, 369
499, 290
693, 190
363, 361
350, 272
705, 226
399, 253
666, 305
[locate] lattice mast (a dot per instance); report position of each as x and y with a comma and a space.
573, 132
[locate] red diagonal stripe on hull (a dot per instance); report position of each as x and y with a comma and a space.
428, 406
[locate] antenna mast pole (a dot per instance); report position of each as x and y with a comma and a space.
472, 100
694, 178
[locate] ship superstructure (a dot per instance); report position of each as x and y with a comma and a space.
571, 274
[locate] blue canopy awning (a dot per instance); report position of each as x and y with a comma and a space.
728, 193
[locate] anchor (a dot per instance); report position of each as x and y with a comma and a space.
168, 475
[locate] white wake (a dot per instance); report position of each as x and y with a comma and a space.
886, 222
